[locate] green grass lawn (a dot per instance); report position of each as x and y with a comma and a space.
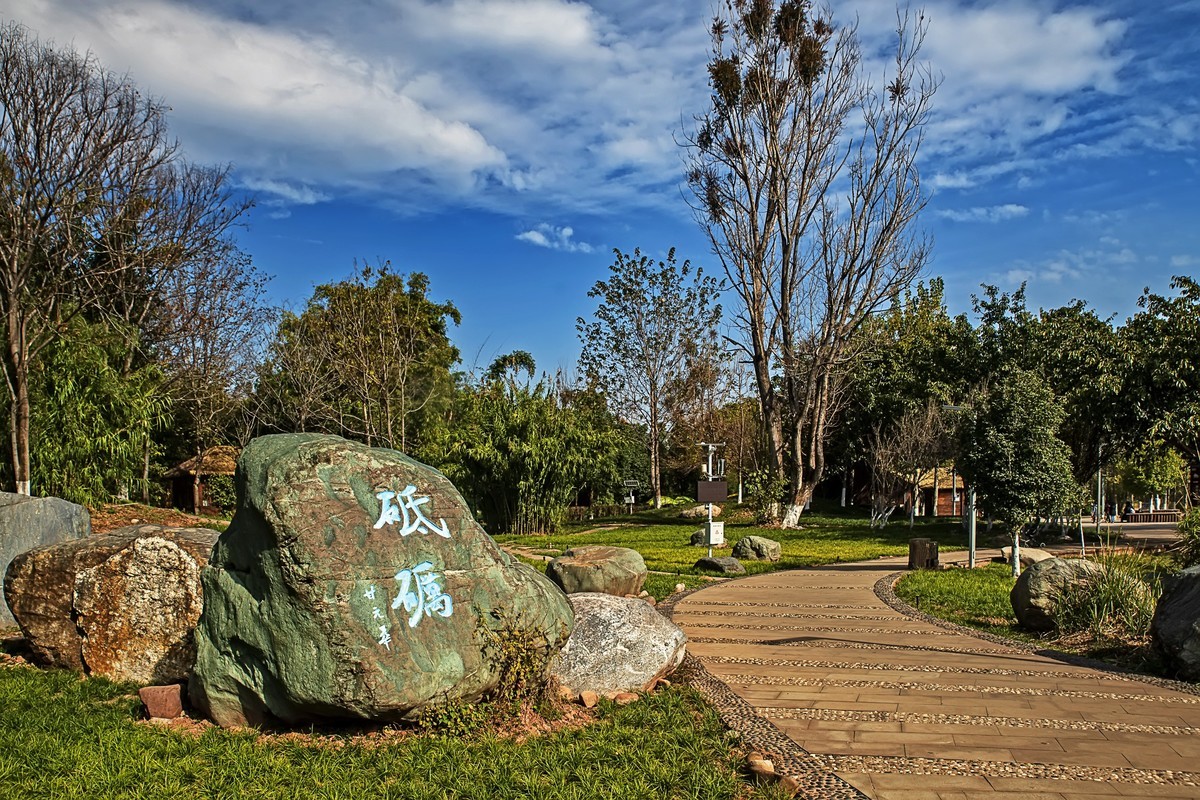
977, 598
829, 535
63, 737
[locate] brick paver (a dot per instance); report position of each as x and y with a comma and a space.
900, 708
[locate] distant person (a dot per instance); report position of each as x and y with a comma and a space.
1127, 512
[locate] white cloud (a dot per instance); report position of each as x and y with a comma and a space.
545, 235
538, 107
952, 180
518, 106
1185, 261
284, 192
990, 214
1083, 267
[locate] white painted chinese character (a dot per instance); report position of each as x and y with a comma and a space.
408, 512
376, 613
421, 593
370, 592
385, 637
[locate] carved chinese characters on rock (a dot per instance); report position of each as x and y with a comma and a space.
418, 588
408, 511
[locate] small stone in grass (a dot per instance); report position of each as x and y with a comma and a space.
625, 698
162, 702
679, 587
789, 784
589, 698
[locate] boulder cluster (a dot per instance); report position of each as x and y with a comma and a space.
353, 583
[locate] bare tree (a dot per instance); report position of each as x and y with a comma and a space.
68, 130
96, 210
652, 345
804, 176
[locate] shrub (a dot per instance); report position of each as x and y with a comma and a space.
766, 491
220, 492
1117, 604
1189, 533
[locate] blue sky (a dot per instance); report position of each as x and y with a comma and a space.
504, 147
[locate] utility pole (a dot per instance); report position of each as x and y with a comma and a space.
709, 532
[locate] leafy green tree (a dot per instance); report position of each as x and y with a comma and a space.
805, 179
368, 358
92, 423
1079, 356
1010, 451
653, 339
1151, 469
521, 453
912, 355
1161, 345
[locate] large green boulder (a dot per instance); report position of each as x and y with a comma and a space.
598, 568
353, 583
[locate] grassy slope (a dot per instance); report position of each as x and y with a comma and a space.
827, 537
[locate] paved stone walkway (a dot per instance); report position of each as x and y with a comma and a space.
894, 707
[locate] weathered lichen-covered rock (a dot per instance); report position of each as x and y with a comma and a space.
29, 522
122, 605
726, 565
1029, 555
353, 583
137, 610
1175, 628
757, 548
598, 568
700, 511
1037, 591
620, 644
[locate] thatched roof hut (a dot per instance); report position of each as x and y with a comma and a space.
189, 480
219, 460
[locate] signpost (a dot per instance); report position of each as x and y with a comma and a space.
710, 491
631, 484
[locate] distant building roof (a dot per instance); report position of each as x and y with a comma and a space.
219, 460
944, 475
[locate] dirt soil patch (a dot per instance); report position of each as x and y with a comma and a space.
118, 515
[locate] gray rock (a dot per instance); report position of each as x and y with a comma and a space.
698, 539
700, 512
1175, 629
619, 644
757, 548
1029, 555
1037, 591
598, 568
726, 565
29, 522
353, 583
122, 605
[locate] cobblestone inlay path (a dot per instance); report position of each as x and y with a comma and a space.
901, 708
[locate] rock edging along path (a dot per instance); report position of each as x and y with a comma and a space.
856, 698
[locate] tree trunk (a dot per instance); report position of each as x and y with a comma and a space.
21, 463
16, 368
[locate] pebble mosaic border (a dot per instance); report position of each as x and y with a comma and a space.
775, 680
897, 765
842, 715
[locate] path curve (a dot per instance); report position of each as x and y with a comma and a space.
857, 699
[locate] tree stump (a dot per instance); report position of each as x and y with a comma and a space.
922, 554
